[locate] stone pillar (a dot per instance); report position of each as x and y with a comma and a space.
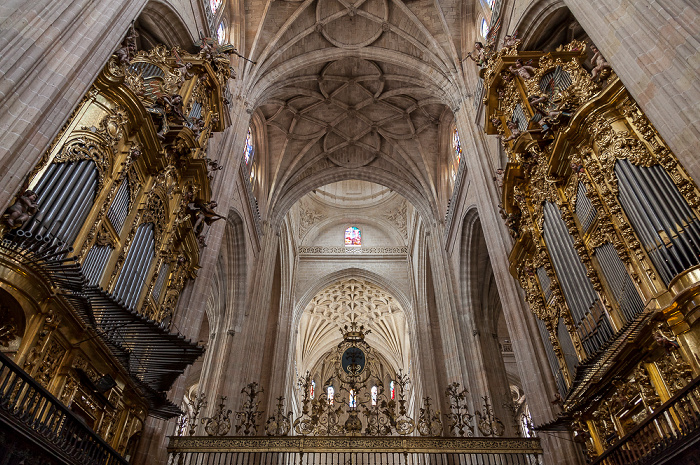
533, 369
50, 54
654, 47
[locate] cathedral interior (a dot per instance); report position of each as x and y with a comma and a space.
349, 232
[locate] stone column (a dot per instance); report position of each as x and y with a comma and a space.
534, 371
50, 53
654, 47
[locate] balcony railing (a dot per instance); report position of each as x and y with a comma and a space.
671, 431
32, 412
345, 450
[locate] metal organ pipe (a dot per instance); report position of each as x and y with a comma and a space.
46, 177
70, 204
63, 190
552, 357
47, 192
128, 263
143, 261
586, 309
136, 266
664, 210
681, 218
76, 217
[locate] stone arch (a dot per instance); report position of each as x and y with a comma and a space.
392, 232
160, 23
419, 199
347, 299
348, 273
546, 24
233, 252
474, 268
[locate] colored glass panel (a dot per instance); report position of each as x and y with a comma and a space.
353, 236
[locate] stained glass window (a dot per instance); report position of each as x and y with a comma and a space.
352, 399
330, 392
457, 152
312, 391
392, 390
215, 4
484, 28
353, 236
249, 149
221, 34
375, 393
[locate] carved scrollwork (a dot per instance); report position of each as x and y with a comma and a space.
84, 148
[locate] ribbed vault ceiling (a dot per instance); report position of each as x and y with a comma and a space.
352, 90
346, 301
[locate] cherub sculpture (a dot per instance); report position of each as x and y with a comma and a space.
549, 116
601, 68
524, 70
127, 49
480, 54
23, 209
498, 177
514, 131
669, 343
202, 212
511, 40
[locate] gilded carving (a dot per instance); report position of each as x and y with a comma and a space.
47, 368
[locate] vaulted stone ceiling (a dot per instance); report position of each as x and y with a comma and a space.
346, 301
352, 90
321, 216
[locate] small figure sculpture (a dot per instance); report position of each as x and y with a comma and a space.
202, 212
514, 131
23, 209
479, 55
173, 108
669, 343
197, 127
525, 71
134, 154
578, 169
557, 400
498, 177
496, 122
186, 74
549, 116
601, 68
511, 40
127, 49
170, 111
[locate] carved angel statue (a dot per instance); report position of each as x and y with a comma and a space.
498, 177
511, 40
480, 55
127, 49
524, 70
550, 115
514, 131
669, 343
23, 209
601, 68
202, 212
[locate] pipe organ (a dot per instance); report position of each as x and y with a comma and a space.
605, 227
106, 233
